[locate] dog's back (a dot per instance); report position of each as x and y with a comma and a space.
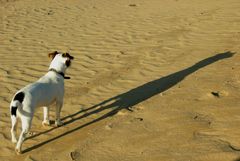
43, 92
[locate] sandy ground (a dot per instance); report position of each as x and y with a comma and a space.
152, 80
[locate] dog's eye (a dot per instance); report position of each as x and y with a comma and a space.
64, 55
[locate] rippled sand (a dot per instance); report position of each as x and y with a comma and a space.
153, 80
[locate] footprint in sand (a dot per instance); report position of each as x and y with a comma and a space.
74, 155
219, 94
132, 5
201, 118
214, 94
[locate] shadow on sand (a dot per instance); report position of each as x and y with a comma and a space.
130, 98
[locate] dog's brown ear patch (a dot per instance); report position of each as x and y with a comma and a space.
53, 54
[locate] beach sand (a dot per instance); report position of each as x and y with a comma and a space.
152, 80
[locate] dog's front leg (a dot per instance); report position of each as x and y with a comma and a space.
58, 121
46, 121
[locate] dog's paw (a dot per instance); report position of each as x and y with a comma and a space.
58, 123
18, 151
31, 133
46, 123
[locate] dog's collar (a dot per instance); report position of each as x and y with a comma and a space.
61, 73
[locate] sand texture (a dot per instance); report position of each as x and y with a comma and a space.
152, 80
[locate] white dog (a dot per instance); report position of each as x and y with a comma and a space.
42, 93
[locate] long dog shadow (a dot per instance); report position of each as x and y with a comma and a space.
130, 98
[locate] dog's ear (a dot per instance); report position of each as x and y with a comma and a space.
53, 54
69, 56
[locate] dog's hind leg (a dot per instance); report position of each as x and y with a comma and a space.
14, 128
46, 121
26, 124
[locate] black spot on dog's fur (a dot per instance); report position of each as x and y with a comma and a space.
14, 111
19, 97
68, 63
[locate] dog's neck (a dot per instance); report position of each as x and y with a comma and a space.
54, 70
57, 68
60, 73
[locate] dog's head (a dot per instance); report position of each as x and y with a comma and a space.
60, 61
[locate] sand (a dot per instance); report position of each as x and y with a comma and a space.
152, 80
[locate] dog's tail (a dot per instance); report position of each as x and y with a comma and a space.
16, 103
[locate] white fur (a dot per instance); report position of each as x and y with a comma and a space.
42, 93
